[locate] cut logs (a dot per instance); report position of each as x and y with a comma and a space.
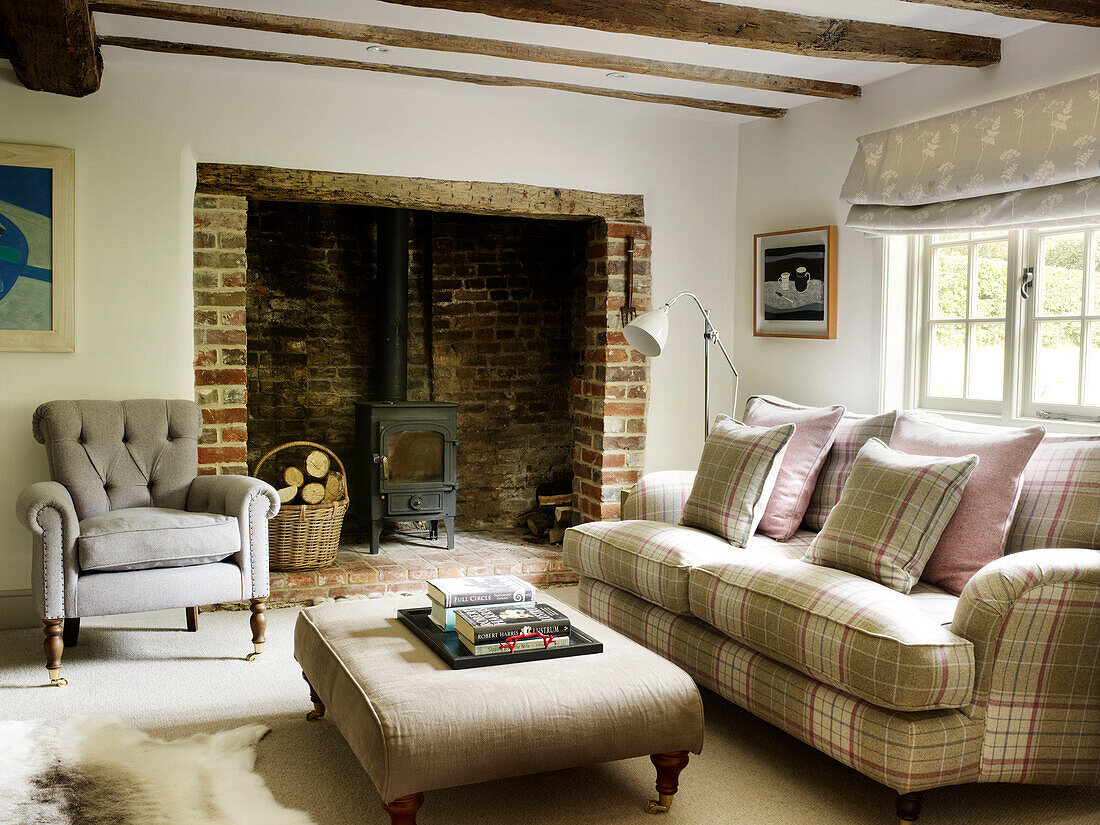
293, 477
318, 465
313, 493
334, 486
288, 494
553, 515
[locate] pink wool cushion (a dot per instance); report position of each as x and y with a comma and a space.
815, 429
978, 531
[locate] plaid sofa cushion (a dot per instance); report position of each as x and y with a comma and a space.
891, 514
1059, 496
648, 558
906, 751
736, 473
838, 628
852, 433
659, 496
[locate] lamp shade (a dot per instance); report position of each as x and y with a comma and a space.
648, 332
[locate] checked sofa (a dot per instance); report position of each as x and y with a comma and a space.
918, 690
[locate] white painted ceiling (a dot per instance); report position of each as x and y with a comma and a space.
383, 14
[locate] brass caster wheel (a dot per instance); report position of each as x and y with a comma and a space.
251, 657
58, 682
55, 677
314, 715
659, 805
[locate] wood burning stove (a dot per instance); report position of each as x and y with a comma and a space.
406, 457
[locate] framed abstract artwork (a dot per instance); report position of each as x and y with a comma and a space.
794, 286
36, 248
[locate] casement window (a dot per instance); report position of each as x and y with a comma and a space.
1007, 323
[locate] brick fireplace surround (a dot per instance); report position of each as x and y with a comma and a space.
609, 397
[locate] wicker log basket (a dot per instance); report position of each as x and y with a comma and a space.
305, 536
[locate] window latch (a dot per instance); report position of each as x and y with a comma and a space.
1027, 282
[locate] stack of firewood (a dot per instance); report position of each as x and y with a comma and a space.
314, 483
552, 517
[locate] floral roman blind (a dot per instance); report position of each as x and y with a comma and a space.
1029, 160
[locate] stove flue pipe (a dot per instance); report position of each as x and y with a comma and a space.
392, 337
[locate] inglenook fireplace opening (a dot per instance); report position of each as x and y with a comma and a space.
512, 298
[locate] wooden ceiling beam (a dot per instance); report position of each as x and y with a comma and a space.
51, 45
743, 26
169, 47
432, 41
1075, 12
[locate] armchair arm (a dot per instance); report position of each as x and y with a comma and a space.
1034, 620
46, 509
660, 496
252, 502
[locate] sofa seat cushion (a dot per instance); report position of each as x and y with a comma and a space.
143, 538
854, 634
647, 558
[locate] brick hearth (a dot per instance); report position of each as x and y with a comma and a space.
407, 561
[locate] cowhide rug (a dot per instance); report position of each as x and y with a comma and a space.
97, 771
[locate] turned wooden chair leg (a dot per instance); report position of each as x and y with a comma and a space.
668, 767
54, 647
259, 627
71, 632
318, 706
403, 810
192, 619
908, 806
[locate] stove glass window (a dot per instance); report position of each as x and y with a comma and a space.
415, 456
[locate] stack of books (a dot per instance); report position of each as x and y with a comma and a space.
496, 614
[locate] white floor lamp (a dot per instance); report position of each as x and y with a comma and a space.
648, 332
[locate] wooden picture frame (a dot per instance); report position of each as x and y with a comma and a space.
37, 262
794, 283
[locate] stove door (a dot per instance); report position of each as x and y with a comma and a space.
416, 456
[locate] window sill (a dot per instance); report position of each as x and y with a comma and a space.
1052, 425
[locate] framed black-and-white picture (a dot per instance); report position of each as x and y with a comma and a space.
794, 288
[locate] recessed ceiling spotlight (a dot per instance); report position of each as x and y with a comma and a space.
377, 48
616, 75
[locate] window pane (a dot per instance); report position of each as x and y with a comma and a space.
1092, 376
949, 277
996, 233
991, 260
947, 360
1057, 362
1062, 273
949, 237
987, 361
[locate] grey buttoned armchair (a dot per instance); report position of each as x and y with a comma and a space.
128, 525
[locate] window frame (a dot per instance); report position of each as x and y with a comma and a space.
1016, 405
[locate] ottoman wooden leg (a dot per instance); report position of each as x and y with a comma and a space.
668, 767
403, 810
318, 706
908, 807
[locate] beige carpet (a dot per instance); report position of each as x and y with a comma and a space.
150, 673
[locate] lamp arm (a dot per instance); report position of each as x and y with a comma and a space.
711, 332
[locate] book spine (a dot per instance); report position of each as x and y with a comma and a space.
444, 618
526, 644
493, 597
498, 634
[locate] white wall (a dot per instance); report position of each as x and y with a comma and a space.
790, 174
137, 141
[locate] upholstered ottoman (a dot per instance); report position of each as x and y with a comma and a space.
417, 725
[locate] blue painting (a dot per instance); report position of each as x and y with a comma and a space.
26, 248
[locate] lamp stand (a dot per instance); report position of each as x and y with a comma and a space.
710, 337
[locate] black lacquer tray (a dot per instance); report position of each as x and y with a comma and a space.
448, 647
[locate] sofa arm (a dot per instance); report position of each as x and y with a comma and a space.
1034, 620
660, 496
252, 502
46, 509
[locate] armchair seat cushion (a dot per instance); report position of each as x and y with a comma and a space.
144, 538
